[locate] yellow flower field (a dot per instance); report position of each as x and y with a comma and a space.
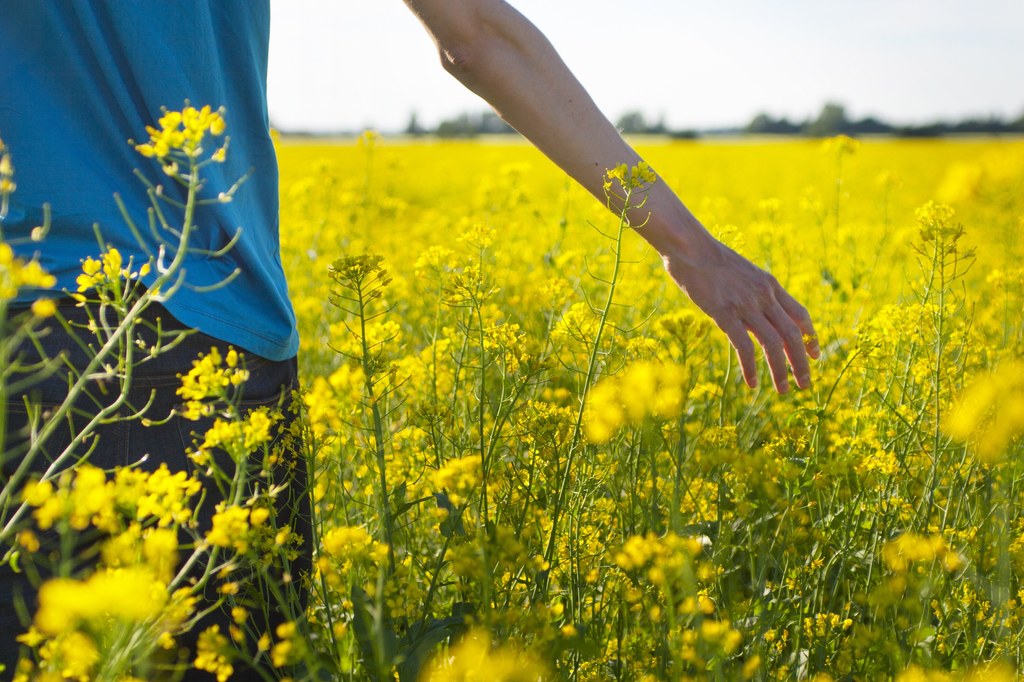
681, 526
532, 458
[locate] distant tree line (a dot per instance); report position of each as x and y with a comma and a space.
463, 125
832, 120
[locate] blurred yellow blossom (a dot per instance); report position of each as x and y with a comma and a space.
214, 653
911, 548
129, 594
460, 478
645, 389
476, 659
990, 413
16, 274
230, 528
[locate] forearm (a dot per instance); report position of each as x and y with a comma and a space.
498, 54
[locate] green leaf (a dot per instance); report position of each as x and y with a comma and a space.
451, 526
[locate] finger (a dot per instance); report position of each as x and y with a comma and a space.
745, 351
793, 343
799, 314
771, 342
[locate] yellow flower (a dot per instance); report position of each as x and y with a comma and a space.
289, 647
645, 389
44, 307
230, 528
32, 638
990, 413
160, 548
131, 595
938, 225
841, 145
256, 428
630, 177
210, 378
662, 560
222, 434
476, 659
106, 271
90, 276
259, 516
214, 653
162, 495
28, 540
436, 259
78, 655
910, 548
7, 185
16, 274
6, 165
459, 478
323, 409
183, 132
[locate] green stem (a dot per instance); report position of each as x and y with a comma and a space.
378, 432
592, 364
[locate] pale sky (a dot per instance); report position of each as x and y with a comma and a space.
348, 64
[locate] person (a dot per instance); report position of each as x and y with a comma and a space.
80, 78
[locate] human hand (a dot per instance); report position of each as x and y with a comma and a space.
742, 299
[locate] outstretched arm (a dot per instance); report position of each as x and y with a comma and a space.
498, 54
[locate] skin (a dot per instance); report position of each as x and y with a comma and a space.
498, 54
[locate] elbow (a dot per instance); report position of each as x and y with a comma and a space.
462, 57
467, 46
457, 59
482, 40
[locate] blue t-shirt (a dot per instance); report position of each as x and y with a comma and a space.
79, 79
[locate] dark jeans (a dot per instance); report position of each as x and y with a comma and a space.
133, 442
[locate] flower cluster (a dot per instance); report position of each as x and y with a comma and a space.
344, 547
460, 478
16, 274
991, 411
938, 224
184, 131
211, 380
908, 549
105, 272
130, 594
630, 177
645, 389
477, 659
236, 436
86, 497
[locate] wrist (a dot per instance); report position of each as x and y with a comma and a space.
676, 234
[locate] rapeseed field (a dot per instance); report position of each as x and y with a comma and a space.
532, 458
667, 523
